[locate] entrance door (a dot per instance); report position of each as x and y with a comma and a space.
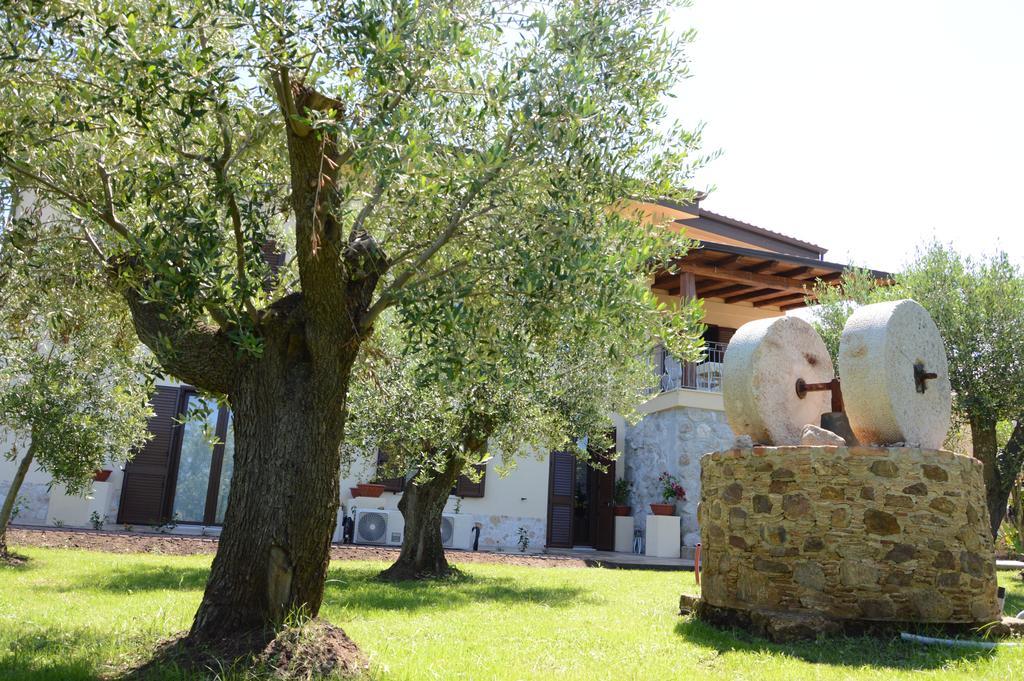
580, 504
603, 513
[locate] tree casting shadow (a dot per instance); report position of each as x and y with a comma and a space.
360, 589
30, 656
137, 578
841, 651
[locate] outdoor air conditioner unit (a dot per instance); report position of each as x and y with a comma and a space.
456, 531
378, 527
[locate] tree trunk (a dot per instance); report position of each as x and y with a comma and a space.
1017, 495
986, 449
12, 495
1012, 462
282, 507
422, 505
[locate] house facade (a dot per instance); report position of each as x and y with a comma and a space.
179, 480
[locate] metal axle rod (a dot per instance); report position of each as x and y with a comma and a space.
803, 387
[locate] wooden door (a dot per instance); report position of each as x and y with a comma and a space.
561, 483
602, 507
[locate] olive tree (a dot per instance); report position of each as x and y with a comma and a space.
511, 382
402, 150
72, 377
978, 305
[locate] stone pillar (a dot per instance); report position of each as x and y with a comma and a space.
895, 534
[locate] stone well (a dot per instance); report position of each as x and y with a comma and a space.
851, 533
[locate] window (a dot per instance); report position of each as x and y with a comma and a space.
203, 464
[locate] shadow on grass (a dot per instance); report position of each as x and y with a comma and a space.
352, 587
53, 655
842, 651
359, 589
136, 578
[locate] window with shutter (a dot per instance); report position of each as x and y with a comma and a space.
464, 487
144, 490
395, 484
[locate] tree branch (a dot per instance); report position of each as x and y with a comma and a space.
220, 166
364, 214
108, 202
196, 353
389, 296
92, 244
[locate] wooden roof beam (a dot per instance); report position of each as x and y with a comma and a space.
752, 294
783, 299
761, 266
719, 290
748, 278
795, 272
727, 260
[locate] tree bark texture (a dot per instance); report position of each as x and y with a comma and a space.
12, 495
282, 506
422, 505
986, 449
1012, 463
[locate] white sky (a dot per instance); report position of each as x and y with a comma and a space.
867, 127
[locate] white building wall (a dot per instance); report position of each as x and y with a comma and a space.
41, 504
517, 499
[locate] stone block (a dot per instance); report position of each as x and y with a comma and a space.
624, 534
662, 538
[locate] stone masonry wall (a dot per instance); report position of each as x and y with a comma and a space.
672, 440
894, 534
33, 502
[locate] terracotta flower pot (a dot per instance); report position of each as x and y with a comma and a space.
663, 509
356, 491
370, 489
101, 476
621, 510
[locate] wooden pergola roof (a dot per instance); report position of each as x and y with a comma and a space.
763, 278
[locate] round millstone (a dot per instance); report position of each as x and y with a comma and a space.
763, 362
879, 348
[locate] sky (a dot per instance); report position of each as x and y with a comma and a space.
866, 127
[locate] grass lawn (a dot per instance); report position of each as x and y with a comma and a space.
80, 615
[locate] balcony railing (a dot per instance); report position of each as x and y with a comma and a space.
704, 374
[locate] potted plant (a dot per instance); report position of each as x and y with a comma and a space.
620, 497
671, 491
101, 476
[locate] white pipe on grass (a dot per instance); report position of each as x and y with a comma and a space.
956, 642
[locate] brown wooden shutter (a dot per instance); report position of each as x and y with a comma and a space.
273, 256
144, 490
560, 499
396, 484
275, 259
464, 487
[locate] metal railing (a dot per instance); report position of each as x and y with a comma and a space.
705, 374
